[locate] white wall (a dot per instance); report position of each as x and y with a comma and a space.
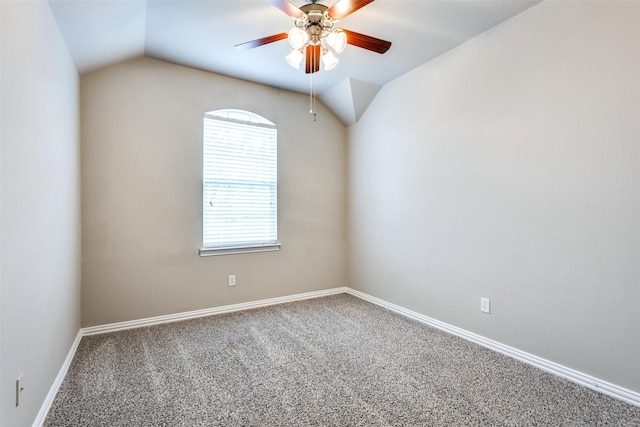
508, 168
40, 206
142, 194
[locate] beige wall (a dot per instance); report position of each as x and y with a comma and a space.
508, 168
40, 206
142, 202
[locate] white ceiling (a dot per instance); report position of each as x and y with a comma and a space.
202, 34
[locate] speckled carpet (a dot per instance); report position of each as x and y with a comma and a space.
332, 361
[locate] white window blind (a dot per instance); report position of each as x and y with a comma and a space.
240, 193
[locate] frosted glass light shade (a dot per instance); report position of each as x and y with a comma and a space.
295, 58
329, 60
337, 39
298, 38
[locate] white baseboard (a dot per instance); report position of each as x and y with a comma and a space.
46, 405
586, 380
602, 386
120, 326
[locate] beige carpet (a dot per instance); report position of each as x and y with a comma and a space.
333, 361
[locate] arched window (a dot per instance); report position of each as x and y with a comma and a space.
240, 183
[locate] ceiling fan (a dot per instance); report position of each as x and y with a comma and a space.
314, 37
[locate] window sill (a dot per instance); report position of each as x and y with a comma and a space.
232, 250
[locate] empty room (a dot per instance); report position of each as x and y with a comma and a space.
332, 212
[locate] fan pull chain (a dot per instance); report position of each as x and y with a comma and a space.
312, 95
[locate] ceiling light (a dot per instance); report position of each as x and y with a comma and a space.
337, 39
295, 58
298, 38
315, 31
329, 60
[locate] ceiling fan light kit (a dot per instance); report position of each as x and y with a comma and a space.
313, 36
315, 28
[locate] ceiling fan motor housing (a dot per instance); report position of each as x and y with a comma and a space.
316, 22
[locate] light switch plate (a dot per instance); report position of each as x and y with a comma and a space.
485, 305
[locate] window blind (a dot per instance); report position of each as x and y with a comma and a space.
240, 180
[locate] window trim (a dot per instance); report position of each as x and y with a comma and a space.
233, 250
250, 247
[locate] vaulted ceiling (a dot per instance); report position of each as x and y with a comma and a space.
202, 34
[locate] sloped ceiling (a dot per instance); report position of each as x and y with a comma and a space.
202, 34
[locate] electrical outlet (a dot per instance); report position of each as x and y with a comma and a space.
485, 305
232, 280
19, 389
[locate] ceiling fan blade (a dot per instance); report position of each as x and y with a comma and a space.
344, 8
287, 8
262, 41
313, 59
367, 42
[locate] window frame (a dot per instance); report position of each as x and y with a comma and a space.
240, 117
